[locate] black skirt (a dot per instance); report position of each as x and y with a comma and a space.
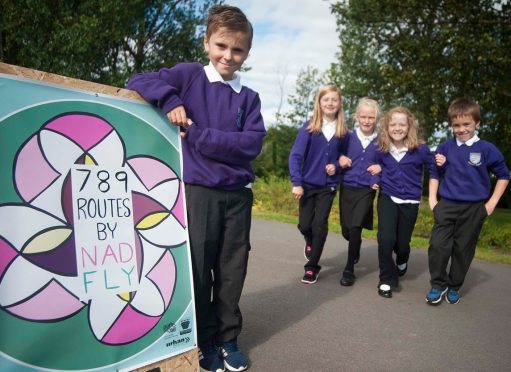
357, 207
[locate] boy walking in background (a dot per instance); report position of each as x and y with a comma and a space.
464, 190
223, 131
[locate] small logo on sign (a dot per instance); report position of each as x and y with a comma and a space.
185, 326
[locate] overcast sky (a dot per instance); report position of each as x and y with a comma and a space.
288, 36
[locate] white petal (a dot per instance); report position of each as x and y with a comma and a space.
21, 280
19, 223
103, 311
59, 150
166, 193
168, 233
148, 299
152, 254
109, 152
50, 199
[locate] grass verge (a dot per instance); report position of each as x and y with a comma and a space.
273, 201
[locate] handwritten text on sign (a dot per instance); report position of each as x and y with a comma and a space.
104, 230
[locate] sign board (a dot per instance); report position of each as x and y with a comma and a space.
95, 269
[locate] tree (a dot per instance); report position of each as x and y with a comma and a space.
280, 138
308, 82
425, 53
273, 160
101, 41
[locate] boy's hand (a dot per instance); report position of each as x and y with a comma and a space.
330, 169
440, 159
432, 202
374, 169
344, 161
490, 207
297, 192
177, 116
375, 186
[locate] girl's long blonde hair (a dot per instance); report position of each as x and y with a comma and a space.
411, 140
316, 122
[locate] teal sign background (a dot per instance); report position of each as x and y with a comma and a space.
69, 344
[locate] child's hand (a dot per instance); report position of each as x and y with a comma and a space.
375, 186
330, 169
432, 202
183, 131
177, 116
344, 162
490, 207
297, 192
440, 159
374, 169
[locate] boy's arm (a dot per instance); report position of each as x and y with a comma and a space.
236, 148
500, 187
432, 193
161, 88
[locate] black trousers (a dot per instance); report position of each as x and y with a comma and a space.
219, 229
395, 227
454, 237
314, 209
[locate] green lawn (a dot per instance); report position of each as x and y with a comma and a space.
274, 201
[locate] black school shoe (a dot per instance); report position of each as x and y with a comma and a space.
401, 272
348, 278
384, 290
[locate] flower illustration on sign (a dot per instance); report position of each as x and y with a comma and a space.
39, 278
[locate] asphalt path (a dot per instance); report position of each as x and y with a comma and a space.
290, 326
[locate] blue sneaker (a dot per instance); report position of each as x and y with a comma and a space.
452, 296
234, 360
209, 358
434, 296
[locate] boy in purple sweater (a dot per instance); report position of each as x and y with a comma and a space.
222, 132
464, 190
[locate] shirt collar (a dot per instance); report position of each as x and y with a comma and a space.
361, 136
395, 150
213, 77
329, 123
469, 142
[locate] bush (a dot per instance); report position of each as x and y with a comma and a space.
273, 194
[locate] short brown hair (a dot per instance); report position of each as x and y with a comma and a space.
464, 107
231, 18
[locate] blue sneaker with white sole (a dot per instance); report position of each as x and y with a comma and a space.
209, 358
452, 296
434, 296
234, 359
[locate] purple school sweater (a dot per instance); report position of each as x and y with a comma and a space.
404, 179
357, 175
309, 156
227, 131
465, 175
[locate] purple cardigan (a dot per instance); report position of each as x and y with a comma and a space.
309, 156
404, 179
227, 131
357, 175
